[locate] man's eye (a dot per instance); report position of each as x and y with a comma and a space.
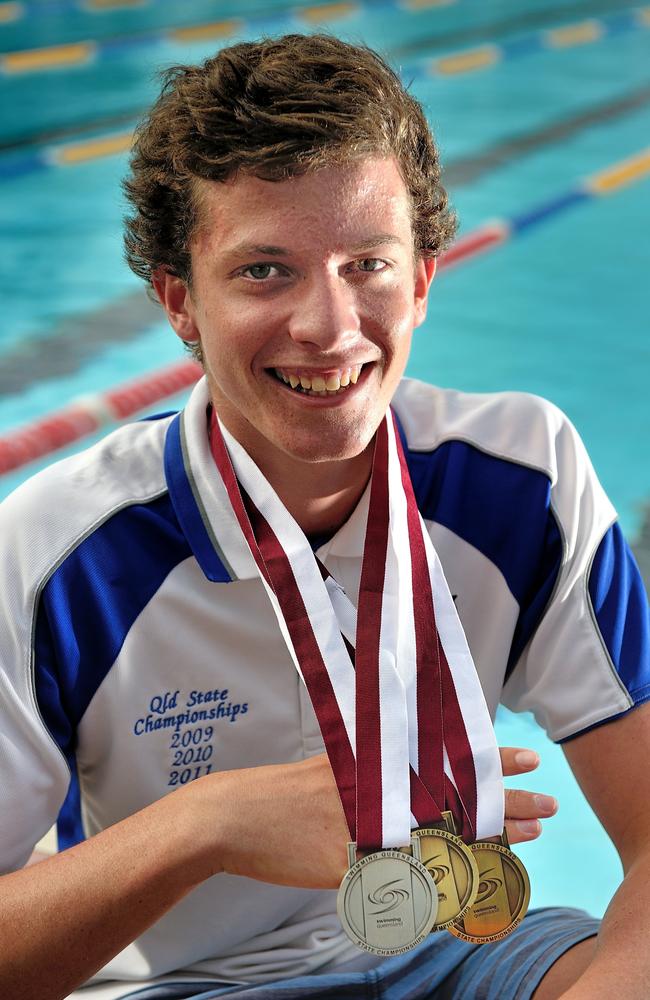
259, 271
371, 264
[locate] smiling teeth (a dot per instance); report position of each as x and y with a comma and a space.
320, 385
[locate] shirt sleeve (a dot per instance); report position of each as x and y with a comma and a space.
588, 658
34, 774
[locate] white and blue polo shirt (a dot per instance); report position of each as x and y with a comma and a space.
138, 649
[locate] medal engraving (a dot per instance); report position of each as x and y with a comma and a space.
387, 903
503, 895
451, 864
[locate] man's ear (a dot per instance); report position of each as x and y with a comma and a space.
176, 301
425, 270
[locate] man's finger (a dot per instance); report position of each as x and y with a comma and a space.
517, 760
521, 804
524, 811
521, 830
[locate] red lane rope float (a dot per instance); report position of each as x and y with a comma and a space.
486, 237
125, 400
89, 413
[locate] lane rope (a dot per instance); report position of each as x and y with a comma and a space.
583, 32
448, 65
89, 413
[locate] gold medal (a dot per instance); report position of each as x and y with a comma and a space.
503, 894
451, 864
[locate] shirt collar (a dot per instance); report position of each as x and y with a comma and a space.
203, 508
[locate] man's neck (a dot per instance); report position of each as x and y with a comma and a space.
320, 496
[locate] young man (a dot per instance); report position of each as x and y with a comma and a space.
288, 214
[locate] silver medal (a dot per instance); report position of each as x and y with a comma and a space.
387, 902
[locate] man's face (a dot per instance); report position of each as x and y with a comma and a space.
304, 295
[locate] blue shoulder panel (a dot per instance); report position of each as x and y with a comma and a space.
620, 606
503, 510
86, 610
187, 509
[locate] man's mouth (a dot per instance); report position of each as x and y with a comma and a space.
319, 384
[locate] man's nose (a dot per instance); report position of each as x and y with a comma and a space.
325, 314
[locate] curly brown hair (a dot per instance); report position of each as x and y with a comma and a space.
275, 108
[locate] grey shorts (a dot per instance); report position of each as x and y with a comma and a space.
441, 968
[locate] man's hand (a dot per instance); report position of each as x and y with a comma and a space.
287, 826
281, 823
524, 809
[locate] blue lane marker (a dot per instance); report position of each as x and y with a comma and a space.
542, 212
115, 46
21, 166
415, 71
270, 24
529, 45
623, 21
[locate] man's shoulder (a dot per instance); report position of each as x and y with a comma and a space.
515, 426
42, 520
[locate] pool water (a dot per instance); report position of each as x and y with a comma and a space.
559, 309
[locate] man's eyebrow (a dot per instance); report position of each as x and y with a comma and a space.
270, 250
253, 249
376, 240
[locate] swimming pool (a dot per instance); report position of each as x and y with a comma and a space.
525, 106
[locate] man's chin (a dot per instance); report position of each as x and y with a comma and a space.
322, 452
313, 438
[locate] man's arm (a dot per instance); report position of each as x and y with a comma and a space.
611, 765
62, 919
